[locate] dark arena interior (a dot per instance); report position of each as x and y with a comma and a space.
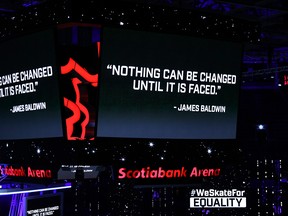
140, 107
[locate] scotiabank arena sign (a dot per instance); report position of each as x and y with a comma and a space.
14, 171
164, 173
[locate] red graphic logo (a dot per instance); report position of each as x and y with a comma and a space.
75, 105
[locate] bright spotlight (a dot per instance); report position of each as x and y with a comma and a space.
260, 127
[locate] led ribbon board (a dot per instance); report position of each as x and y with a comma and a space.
155, 85
29, 94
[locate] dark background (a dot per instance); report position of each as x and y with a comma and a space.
255, 161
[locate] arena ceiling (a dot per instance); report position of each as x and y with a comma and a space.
271, 15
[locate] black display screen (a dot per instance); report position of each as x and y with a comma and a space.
50, 204
29, 88
155, 85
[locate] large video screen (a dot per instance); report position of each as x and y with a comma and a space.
29, 94
155, 85
79, 62
49, 204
